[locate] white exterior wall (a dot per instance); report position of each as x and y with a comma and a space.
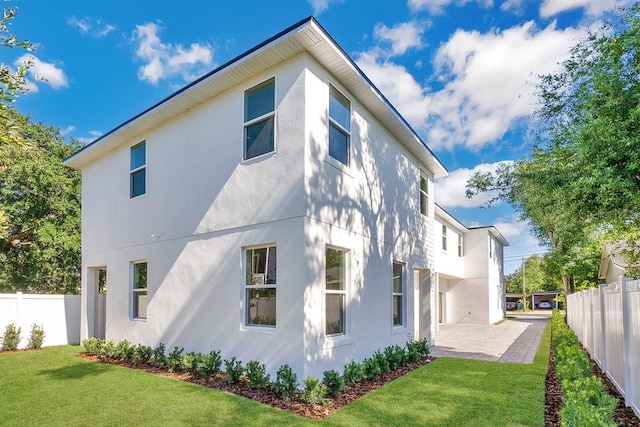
447, 261
203, 204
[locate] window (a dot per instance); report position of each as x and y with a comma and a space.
138, 170
139, 290
398, 294
259, 118
424, 192
444, 237
460, 245
491, 247
339, 125
260, 289
335, 291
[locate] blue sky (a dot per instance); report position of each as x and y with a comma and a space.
462, 72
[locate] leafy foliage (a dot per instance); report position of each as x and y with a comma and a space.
11, 337
209, 364
353, 373
233, 369
333, 381
314, 392
39, 212
257, 374
286, 384
174, 361
36, 336
159, 356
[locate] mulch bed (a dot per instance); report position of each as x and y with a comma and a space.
269, 397
623, 415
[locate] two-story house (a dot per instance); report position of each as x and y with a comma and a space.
277, 209
468, 267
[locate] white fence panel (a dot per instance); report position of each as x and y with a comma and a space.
58, 314
607, 322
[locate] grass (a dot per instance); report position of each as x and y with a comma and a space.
52, 387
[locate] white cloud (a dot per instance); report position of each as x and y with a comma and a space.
515, 6
402, 36
66, 131
167, 60
320, 6
591, 7
487, 82
437, 6
52, 75
450, 190
93, 27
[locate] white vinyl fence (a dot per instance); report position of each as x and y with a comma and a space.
607, 322
58, 314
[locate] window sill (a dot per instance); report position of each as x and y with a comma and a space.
259, 158
348, 170
138, 319
397, 330
336, 341
260, 329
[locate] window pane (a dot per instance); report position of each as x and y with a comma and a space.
339, 108
335, 314
140, 275
138, 155
259, 138
423, 203
259, 100
140, 305
138, 182
397, 278
338, 144
397, 310
335, 270
271, 266
261, 307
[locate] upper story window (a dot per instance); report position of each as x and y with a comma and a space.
424, 193
460, 252
444, 237
339, 125
398, 294
138, 170
260, 287
335, 291
491, 247
139, 290
259, 119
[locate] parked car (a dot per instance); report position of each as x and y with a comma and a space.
510, 306
544, 305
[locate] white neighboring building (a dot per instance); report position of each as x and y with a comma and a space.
277, 209
468, 271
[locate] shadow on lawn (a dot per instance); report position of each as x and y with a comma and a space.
76, 371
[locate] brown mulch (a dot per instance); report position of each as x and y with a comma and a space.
623, 415
269, 397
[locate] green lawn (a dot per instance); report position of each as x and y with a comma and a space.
52, 387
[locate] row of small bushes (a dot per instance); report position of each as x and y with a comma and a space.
286, 384
586, 401
12, 336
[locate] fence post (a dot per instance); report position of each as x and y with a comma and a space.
603, 325
626, 342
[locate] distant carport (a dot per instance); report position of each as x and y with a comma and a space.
549, 296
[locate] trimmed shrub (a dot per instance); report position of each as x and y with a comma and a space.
353, 373
333, 382
314, 391
159, 356
396, 357
36, 336
286, 384
11, 337
370, 369
257, 374
586, 403
141, 354
108, 350
189, 362
209, 364
382, 362
234, 370
125, 351
174, 361
416, 350
92, 346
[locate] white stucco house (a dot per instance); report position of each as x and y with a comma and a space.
277, 209
468, 267
613, 264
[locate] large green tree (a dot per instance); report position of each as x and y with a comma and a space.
40, 211
582, 177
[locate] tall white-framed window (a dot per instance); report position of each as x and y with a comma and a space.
460, 248
335, 291
260, 286
444, 237
259, 119
139, 290
424, 194
138, 170
398, 294
339, 126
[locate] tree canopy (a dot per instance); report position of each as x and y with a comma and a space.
581, 181
39, 211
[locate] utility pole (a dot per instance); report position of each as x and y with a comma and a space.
524, 288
